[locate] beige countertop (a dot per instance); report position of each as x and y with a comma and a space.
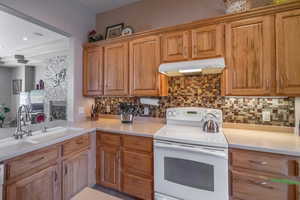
10, 148
143, 127
266, 141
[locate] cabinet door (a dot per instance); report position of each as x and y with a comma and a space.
208, 41
145, 79
175, 46
109, 167
116, 69
288, 59
93, 72
250, 56
42, 185
75, 175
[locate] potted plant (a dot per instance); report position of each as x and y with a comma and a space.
3, 112
128, 111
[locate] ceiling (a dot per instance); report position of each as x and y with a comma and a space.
100, 6
18, 36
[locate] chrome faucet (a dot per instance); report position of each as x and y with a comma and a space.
23, 122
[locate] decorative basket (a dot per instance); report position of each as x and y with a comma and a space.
236, 6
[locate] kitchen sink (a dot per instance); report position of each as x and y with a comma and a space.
11, 143
37, 138
51, 134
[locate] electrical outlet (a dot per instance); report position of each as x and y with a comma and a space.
266, 115
146, 111
275, 102
81, 110
108, 109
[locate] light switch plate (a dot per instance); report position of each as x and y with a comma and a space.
81, 110
266, 115
108, 109
146, 111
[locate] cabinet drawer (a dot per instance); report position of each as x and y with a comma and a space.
138, 187
254, 187
31, 161
136, 163
138, 143
76, 144
265, 162
108, 138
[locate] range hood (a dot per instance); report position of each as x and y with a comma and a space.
207, 66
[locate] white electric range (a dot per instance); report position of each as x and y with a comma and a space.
190, 164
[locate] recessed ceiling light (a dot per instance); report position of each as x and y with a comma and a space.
25, 38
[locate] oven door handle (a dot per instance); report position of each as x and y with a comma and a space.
220, 154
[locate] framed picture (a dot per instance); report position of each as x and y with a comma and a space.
114, 31
17, 86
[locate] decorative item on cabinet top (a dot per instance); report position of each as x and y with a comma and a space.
236, 6
114, 31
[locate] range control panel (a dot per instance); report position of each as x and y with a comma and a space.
193, 114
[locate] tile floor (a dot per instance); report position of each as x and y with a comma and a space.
101, 193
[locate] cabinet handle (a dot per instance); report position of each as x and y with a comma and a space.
263, 184
281, 82
268, 84
258, 162
37, 160
66, 170
79, 142
55, 176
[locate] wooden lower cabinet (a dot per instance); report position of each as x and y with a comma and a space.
125, 163
75, 175
109, 166
253, 173
47, 174
138, 186
43, 185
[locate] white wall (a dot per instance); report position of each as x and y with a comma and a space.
73, 18
5, 86
17, 73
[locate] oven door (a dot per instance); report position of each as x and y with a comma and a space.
191, 172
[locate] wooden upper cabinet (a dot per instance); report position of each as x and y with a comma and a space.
208, 41
116, 69
175, 46
93, 71
288, 59
42, 185
250, 56
144, 61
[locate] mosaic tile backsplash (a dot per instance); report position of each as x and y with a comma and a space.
205, 91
